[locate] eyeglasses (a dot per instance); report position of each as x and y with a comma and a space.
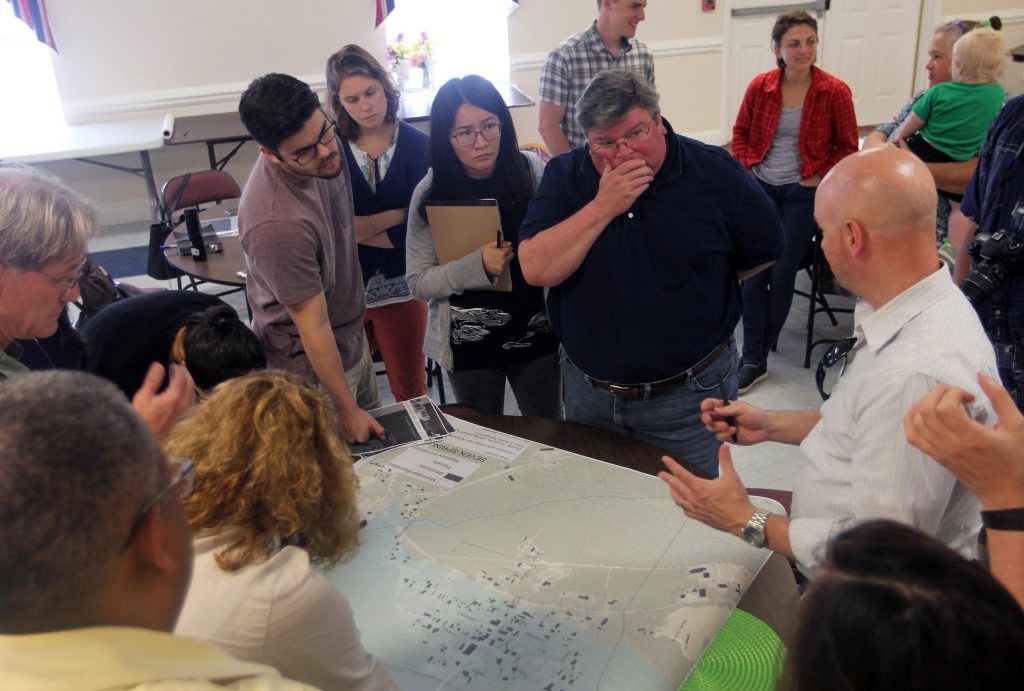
67, 283
836, 353
631, 140
181, 485
327, 136
467, 137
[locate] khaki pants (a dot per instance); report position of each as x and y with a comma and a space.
362, 380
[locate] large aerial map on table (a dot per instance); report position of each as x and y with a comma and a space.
489, 562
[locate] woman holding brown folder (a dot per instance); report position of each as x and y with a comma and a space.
482, 336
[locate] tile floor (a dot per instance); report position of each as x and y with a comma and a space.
789, 387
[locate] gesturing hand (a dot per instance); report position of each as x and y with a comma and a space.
721, 503
161, 410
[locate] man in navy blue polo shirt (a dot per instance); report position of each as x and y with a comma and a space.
642, 237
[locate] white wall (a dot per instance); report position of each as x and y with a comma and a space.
123, 58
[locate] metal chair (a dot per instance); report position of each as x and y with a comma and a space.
822, 282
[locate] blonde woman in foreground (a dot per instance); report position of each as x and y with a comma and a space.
274, 498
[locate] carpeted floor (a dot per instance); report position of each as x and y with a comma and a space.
120, 263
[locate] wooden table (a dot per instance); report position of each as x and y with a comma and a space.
772, 597
219, 267
226, 267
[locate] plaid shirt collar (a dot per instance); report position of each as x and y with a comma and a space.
597, 44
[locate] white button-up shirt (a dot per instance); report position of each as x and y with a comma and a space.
858, 464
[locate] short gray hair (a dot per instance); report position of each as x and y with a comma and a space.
612, 94
76, 464
41, 219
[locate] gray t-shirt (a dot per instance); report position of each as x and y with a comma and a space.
781, 165
299, 239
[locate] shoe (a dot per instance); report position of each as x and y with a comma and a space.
750, 374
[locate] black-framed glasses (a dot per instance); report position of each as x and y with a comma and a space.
467, 137
307, 154
181, 484
632, 139
837, 353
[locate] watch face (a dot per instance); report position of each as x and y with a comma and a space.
753, 531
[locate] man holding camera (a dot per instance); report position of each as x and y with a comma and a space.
994, 204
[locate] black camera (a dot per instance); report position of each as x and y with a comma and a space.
996, 256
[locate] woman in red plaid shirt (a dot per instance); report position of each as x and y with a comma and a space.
794, 124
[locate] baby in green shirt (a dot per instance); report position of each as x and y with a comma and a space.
950, 121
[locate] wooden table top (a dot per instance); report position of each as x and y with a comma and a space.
219, 267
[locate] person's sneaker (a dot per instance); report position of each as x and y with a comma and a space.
750, 374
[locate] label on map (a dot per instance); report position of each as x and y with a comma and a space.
438, 463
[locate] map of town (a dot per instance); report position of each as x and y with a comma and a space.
494, 563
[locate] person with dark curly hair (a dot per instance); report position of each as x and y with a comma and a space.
274, 498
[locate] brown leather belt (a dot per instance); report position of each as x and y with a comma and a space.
636, 392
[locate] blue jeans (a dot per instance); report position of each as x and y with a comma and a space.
768, 295
534, 383
669, 419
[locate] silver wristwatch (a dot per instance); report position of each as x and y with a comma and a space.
753, 532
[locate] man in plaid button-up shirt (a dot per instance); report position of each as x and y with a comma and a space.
607, 44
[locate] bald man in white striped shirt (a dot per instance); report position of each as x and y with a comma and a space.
912, 329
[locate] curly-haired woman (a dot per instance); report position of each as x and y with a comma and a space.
274, 498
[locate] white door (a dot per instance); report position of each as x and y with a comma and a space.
869, 44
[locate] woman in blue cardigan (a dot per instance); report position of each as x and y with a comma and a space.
386, 159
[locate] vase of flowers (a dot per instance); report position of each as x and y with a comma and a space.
423, 57
398, 58
412, 63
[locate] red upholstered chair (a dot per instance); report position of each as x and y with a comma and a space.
193, 189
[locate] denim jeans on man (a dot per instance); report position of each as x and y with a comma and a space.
669, 419
768, 295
